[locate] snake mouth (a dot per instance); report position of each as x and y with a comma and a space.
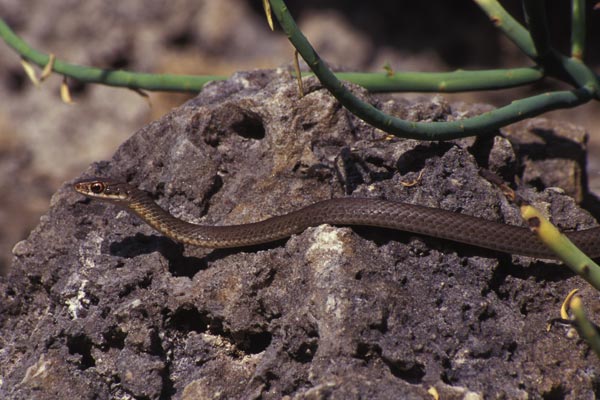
80, 187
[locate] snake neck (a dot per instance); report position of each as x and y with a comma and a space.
145, 208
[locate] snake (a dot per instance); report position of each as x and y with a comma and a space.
345, 211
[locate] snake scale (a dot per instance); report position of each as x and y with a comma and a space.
417, 219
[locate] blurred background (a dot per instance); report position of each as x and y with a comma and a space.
44, 142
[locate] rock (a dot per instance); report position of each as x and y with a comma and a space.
99, 305
553, 153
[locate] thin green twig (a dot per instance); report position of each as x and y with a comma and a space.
550, 235
375, 82
560, 244
487, 122
578, 26
585, 327
164, 82
574, 71
447, 82
510, 26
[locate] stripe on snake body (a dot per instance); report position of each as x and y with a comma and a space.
412, 218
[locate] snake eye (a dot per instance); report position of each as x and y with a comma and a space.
97, 187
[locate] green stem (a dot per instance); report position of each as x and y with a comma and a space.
164, 82
374, 82
560, 244
575, 71
456, 81
510, 26
586, 329
578, 23
487, 122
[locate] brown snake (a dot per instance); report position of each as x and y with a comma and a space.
422, 220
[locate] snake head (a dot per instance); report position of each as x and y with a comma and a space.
104, 189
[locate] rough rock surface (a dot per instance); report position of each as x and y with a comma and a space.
44, 142
97, 305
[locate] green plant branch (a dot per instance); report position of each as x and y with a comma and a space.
535, 15
165, 82
375, 82
574, 71
586, 329
560, 244
516, 111
510, 26
537, 43
456, 81
578, 27
550, 236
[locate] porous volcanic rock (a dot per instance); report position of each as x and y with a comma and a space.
98, 305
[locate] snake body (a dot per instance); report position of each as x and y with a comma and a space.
340, 211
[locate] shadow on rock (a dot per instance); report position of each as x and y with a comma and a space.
173, 252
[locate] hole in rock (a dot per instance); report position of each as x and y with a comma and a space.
114, 338
411, 372
556, 393
187, 318
253, 343
249, 125
81, 345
